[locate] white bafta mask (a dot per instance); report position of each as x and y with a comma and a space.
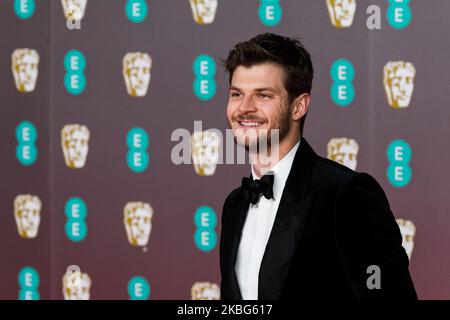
399, 83
408, 231
136, 73
25, 69
138, 222
205, 291
74, 9
341, 12
344, 151
205, 146
27, 212
204, 11
75, 145
76, 285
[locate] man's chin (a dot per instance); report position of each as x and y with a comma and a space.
251, 145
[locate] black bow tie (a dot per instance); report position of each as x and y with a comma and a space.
254, 188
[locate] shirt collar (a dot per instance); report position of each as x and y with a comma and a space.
281, 171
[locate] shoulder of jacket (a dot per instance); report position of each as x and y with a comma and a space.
232, 196
333, 173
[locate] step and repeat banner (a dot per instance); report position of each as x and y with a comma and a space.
101, 102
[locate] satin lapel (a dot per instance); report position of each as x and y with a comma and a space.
288, 225
232, 233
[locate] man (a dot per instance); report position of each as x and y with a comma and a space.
303, 226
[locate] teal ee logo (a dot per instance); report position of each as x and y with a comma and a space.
24, 9
205, 69
26, 151
75, 65
28, 279
138, 288
342, 91
399, 13
205, 220
399, 155
136, 10
270, 12
76, 213
137, 156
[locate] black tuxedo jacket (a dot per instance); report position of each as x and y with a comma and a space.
332, 224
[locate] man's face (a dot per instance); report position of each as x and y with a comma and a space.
76, 147
25, 69
342, 12
399, 83
258, 103
74, 9
204, 11
27, 212
137, 73
205, 152
138, 218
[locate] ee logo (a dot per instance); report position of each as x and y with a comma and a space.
75, 65
399, 13
205, 237
138, 288
342, 91
270, 12
136, 10
29, 284
399, 155
205, 69
137, 143
26, 151
76, 213
24, 9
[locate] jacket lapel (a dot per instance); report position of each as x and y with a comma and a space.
232, 234
288, 225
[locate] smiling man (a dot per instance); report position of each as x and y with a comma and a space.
301, 226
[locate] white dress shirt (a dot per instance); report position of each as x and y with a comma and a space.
257, 228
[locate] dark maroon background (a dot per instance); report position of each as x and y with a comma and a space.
172, 263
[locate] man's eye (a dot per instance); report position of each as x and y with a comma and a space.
234, 94
263, 96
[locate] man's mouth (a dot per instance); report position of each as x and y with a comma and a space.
250, 124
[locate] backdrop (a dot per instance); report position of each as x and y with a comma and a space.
92, 203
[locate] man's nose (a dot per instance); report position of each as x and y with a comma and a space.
247, 105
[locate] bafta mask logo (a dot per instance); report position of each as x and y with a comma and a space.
136, 72
204, 11
408, 231
344, 151
27, 212
74, 9
205, 147
205, 291
399, 83
138, 222
75, 145
76, 284
341, 12
25, 68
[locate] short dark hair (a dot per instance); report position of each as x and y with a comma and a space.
287, 52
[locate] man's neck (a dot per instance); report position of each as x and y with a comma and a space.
275, 155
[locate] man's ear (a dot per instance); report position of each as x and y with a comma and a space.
300, 106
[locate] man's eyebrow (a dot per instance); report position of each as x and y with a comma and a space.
257, 89
265, 89
235, 88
